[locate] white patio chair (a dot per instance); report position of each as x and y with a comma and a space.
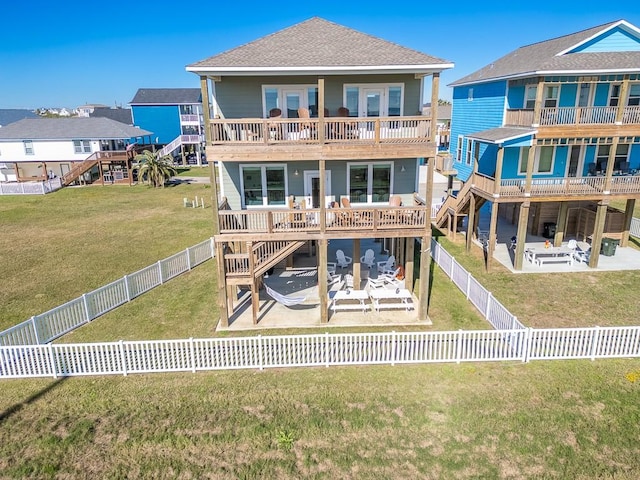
384, 280
333, 278
369, 258
388, 266
331, 267
582, 255
342, 260
348, 281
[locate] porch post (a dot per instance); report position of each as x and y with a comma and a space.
222, 291
321, 109
610, 163
531, 158
628, 215
206, 112
408, 266
498, 175
356, 263
561, 223
521, 235
492, 235
425, 248
537, 108
435, 88
598, 229
321, 245
471, 220
101, 172
255, 300
624, 88
322, 194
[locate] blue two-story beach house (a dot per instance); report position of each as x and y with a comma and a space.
549, 134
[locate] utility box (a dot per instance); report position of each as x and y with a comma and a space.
608, 246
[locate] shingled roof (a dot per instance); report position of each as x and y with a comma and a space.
69, 129
318, 46
554, 57
167, 96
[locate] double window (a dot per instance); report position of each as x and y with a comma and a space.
602, 157
82, 146
289, 98
543, 161
468, 155
371, 100
28, 147
634, 95
370, 182
263, 185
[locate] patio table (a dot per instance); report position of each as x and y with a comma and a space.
344, 300
539, 256
402, 298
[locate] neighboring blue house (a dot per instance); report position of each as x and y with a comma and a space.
549, 134
175, 116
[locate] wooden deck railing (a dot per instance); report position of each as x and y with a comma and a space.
337, 219
395, 130
573, 116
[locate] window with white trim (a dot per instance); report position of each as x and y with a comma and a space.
551, 93
522, 163
530, 96
634, 95
544, 159
288, 98
614, 94
379, 100
602, 157
467, 159
370, 182
28, 147
82, 146
459, 148
263, 185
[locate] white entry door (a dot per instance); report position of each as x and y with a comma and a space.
292, 100
372, 103
312, 188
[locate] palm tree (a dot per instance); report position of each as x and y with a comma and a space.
153, 169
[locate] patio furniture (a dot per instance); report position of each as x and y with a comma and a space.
342, 260
333, 278
592, 169
369, 258
348, 281
539, 256
387, 266
346, 300
582, 255
283, 299
331, 267
398, 298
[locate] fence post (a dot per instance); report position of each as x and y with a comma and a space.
123, 358
468, 284
528, 345
394, 350
160, 271
35, 329
213, 248
192, 355
487, 310
458, 346
126, 287
453, 262
86, 307
594, 342
43, 189
260, 348
326, 349
188, 259
52, 362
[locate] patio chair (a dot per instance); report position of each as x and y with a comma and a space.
342, 260
385, 280
331, 267
275, 129
592, 169
369, 258
582, 255
348, 280
624, 168
333, 278
388, 266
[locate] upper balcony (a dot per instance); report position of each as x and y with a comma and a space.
555, 121
331, 138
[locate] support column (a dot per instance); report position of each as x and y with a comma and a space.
356, 264
471, 220
322, 194
498, 175
100, 172
521, 235
610, 165
321, 115
206, 116
598, 229
628, 215
222, 292
408, 266
255, 301
435, 95
561, 224
425, 250
492, 235
322, 279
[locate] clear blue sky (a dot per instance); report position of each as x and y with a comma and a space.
67, 53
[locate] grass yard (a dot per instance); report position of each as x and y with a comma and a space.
553, 420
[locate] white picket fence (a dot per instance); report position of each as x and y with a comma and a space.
50, 325
30, 188
192, 355
490, 308
635, 227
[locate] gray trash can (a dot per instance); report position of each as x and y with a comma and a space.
608, 246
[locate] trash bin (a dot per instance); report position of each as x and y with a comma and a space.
608, 246
549, 230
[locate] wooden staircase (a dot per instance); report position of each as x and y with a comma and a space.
80, 168
244, 268
458, 204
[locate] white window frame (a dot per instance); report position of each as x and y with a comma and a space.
263, 172
527, 89
614, 100
636, 97
459, 148
536, 166
470, 95
28, 147
468, 153
370, 180
304, 102
82, 146
521, 157
384, 101
546, 98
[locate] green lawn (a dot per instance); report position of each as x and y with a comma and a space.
555, 419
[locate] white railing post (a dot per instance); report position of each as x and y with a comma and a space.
528, 345
458, 346
487, 309
85, 303
35, 329
468, 285
326, 349
394, 340
126, 287
52, 362
43, 189
594, 342
192, 355
188, 259
453, 261
123, 358
213, 248
260, 348
160, 271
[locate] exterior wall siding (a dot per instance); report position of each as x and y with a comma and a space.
617, 40
483, 111
45, 150
162, 120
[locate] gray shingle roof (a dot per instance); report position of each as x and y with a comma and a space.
69, 129
317, 43
502, 134
122, 115
167, 96
10, 115
543, 57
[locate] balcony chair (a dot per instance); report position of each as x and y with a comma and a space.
592, 169
342, 260
306, 128
388, 266
395, 201
624, 168
275, 129
369, 258
347, 129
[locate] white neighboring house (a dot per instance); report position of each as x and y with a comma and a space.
41, 148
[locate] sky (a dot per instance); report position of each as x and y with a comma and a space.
69, 53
